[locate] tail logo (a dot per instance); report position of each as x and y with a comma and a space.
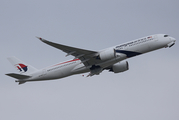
21, 67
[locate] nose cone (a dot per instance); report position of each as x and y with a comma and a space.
172, 42
172, 39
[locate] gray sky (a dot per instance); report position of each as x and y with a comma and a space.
149, 90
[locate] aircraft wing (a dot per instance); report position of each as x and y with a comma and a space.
87, 57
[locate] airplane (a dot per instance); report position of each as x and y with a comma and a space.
94, 62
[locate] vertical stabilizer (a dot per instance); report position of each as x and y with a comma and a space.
21, 66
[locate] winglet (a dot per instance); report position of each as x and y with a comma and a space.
41, 39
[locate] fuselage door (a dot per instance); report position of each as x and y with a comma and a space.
44, 72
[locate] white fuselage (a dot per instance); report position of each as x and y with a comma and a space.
123, 51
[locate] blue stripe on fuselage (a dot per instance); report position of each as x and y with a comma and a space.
128, 53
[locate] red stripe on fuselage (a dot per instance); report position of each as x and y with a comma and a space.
66, 62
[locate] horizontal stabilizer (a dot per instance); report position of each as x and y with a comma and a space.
18, 76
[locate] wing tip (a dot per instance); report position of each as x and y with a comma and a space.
40, 39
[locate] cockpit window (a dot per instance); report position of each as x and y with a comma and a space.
165, 35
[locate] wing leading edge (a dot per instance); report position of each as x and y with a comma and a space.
87, 57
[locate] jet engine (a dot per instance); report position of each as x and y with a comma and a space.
120, 67
107, 54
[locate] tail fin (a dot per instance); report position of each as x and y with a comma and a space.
22, 67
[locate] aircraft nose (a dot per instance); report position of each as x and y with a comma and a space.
172, 39
172, 42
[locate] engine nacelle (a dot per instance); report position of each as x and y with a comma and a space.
107, 54
120, 67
